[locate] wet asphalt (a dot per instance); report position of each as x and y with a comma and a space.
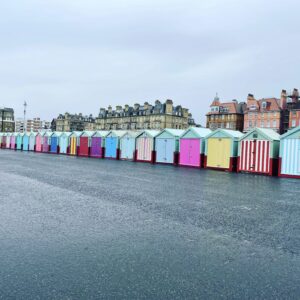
79, 228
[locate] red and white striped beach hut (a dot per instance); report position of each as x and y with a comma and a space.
259, 151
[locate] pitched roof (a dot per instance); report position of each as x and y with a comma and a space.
200, 132
227, 132
267, 133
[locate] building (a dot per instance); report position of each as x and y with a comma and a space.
229, 115
264, 113
293, 109
147, 116
32, 125
7, 119
74, 122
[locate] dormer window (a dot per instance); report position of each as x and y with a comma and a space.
264, 105
215, 109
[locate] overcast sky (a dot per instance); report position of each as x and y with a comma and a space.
80, 55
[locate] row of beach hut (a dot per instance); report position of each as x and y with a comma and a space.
261, 151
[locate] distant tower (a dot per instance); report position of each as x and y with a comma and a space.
25, 109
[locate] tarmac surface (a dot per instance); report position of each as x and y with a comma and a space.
79, 228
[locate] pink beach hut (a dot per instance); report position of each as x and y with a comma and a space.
192, 147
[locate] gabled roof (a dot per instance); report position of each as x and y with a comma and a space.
117, 133
269, 134
173, 132
131, 133
68, 134
227, 133
200, 132
77, 133
88, 133
151, 133
290, 132
57, 133
101, 133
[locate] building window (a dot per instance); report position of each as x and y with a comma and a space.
293, 123
274, 123
264, 105
250, 124
262, 124
268, 124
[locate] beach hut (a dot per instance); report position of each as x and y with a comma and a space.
46, 142
145, 146
98, 144
192, 147
74, 142
221, 150
19, 141
289, 155
32, 141
85, 140
167, 146
39, 142
25, 145
259, 151
127, 145
64, 143
112, 144
13, 141
54, 142
8, 136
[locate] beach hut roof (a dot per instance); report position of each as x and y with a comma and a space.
117, 133
200, 132
67, 134
88, 133
173, 132
133, 134
290, 132
32, 133
100, 133
226, 132
57, 133
269, 134
76, 133
151, 133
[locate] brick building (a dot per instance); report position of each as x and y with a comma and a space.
264, 113
229, 115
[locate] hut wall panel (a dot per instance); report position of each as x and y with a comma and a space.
127, 146
8, 142
19, 142
4, 142
84, 146
96, 147
165, 149
290, 160
54, 144
63, 145
73, 145
13, 142
32, 143
38, 146
25, 143
218, 153
255, 156
144, 148
111, 147
45, 144
190, 152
